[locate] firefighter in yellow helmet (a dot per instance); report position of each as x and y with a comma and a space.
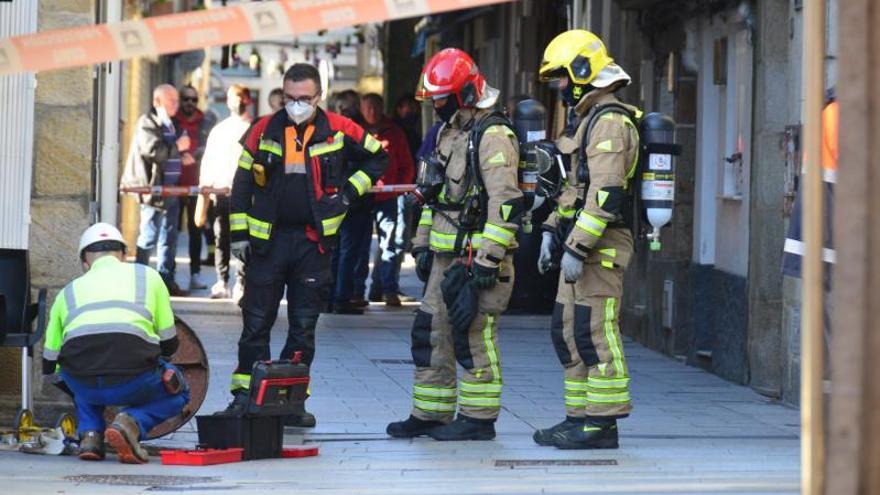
589, 236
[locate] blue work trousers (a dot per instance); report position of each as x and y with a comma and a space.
353, 255
158, 230
143, 397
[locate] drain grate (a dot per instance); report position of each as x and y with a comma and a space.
139, 479
392, 361
513, 463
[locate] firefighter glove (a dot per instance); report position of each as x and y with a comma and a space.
545, 257
240, 250
572, 268
484, 277
424, 260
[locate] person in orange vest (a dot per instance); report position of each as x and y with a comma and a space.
793, 250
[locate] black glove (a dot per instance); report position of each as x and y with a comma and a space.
484, 277
350, 196
424, 260
463, 310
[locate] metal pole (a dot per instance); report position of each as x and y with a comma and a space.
109, 179
812, 413
26, 401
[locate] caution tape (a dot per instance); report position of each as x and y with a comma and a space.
174, 33
166, 191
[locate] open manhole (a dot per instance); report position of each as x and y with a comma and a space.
515, 463
139, 479
392, 361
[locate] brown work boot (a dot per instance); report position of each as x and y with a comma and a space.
123, 435
391, 300
91, 446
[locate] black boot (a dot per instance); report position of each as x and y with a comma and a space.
544, 436
411, 427
597, 433
238, 406
465, 428
302, 420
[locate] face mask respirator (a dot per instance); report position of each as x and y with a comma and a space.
299, 111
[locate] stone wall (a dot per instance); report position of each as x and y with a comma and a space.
61, 187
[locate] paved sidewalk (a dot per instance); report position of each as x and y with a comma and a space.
691, 432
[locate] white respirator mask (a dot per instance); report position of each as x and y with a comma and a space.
299, 111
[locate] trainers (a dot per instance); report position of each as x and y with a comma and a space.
304, 420
545, 436
175, 290
465, 428
595, 434
391, 300
123, 436
359, 302
405, 298
196, 282
91, 446
220, 290
411, 427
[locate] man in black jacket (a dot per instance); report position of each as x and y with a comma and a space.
299, 171
156, 157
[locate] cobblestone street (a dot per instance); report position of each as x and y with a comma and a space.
691, 431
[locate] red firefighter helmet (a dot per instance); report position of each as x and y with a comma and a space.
452, 72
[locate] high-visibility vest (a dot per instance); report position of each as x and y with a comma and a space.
110, 321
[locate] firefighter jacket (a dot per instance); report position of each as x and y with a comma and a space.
612, 154
147, 155
495, 234
115, 320
336, 146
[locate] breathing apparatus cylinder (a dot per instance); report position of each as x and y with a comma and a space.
658, 172
530, 125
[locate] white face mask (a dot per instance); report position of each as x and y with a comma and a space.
299, 111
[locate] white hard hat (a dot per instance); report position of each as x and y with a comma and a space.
98, 233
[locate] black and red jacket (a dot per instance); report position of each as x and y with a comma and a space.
341, 159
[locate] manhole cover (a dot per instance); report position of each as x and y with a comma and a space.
554, 463
392, 361
139, 479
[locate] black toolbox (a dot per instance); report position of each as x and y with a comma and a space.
261, 437
277, 389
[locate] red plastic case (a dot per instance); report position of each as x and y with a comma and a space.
201, 457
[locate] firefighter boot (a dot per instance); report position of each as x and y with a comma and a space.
465, 428
91, 446
544, 436
237, 406
597, 433
301, 418
411, 427
123, 436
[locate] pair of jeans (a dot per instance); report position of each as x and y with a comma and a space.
385, 266
144, 397
158, 230
195, 234
353, 263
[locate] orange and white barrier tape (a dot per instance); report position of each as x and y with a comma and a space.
166, 191
81, 46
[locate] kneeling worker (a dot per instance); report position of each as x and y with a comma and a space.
111, 333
